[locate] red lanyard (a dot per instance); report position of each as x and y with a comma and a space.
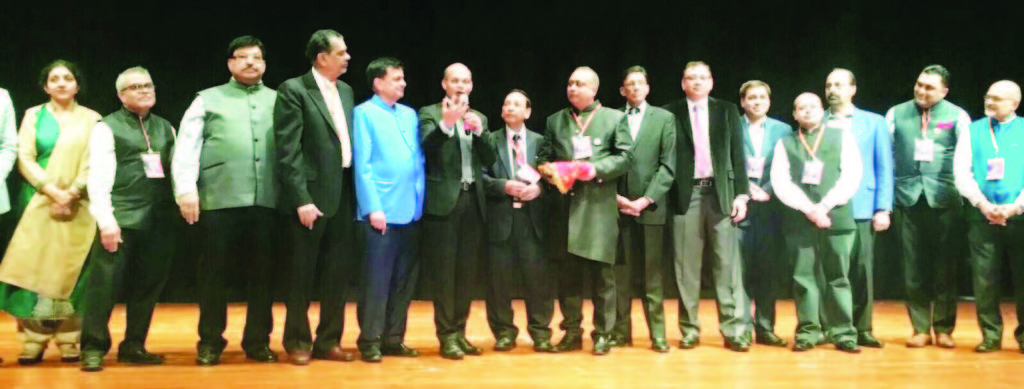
926, 118
148, 147
812, 152
583, 126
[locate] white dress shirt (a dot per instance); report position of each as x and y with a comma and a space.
756, 132
187, 149
636, 118
329, 90
850, 171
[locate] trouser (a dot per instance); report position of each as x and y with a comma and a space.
990, 246
861, 276
705, 225
642, 254
389, 274
453, 246
326, 253
931, 246
521, 253
830, 250
139, 268
765, 264
235, 236
40, 331
570, 295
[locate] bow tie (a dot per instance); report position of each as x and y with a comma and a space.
632, 111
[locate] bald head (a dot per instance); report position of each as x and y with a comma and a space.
582, 87
807, 110
457, 82
1002, 100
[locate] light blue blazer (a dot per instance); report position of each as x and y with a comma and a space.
388, 161
8, 147
875, 192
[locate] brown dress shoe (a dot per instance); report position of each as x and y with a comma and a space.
944, 341
919, 340
334, 354
299, 358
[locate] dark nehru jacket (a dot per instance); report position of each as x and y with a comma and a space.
134, 196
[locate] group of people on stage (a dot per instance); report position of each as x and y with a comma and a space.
363, 189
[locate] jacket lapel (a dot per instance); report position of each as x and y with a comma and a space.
318, 99
502, 146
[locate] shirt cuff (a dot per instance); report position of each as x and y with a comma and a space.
105, 221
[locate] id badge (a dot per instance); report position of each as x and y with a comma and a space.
528, 174
996, 169
755, 167
812, 172
581, 148
924, 150
151, 164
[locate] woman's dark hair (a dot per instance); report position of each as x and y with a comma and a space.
60, 63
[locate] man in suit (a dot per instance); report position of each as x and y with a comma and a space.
928, 206
761, 239
873, 201
815, 172
455, 146
312, 118
516, 230
641, 199
709, 195
989, 168
390, 188
223, 167
583, 227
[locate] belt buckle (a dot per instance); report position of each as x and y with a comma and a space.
466, 185
704, 183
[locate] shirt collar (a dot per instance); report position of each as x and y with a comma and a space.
703, 103
234, 83
641, 107
1008, 119
376, 100
589, 108
511, 131
321, 81
760, 122
847, 115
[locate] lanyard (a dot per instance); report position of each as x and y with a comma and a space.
583, 126
992, 132
926, 118
813, 152
148, 147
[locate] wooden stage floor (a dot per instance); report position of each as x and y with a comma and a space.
895, 366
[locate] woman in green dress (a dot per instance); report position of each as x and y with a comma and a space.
40, 270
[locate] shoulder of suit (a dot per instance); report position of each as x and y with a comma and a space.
778, 123
658, 111
871, 115
431, 109
723, 103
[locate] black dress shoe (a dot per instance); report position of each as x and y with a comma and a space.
208, 356
139, 357
660, 345
689, 341
989, 345
848, 346
399, 350
468, 348
802, 345
543, 346
505, 343
92, 361
572, 341
450, 350
371, 354
738, 344
620, 341
868, 339
770, 339
261, 354
602, 345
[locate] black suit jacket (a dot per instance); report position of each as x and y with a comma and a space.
499, 204
444, 162
727, 160
308, 149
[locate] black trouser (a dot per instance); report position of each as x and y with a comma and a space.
242, 239
991, 247
765, 263
642, 254
931, 246
327, 253
389, 279
521, 253
452, 246
570, 295
139, 268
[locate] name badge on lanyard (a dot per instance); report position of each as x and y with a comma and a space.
755, 167
581, 147
151, 164
924, 150
812, 172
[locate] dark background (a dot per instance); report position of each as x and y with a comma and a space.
530, 45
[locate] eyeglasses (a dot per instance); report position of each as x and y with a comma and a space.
695, 78
254, 58
139, 87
